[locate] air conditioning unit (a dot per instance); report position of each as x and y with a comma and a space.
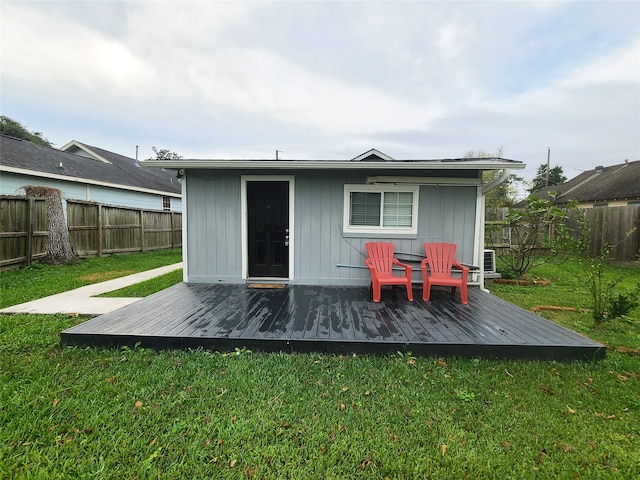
489, 261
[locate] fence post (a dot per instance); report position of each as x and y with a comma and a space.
30, 208
142, 230
173, 235
99, 231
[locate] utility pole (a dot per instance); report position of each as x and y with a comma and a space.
546, 183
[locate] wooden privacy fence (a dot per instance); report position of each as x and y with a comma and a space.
496, 235
23, 230
616, 226
97, 229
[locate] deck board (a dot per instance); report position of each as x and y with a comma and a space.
335, 320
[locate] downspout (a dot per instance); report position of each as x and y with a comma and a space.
478, 247
480, 217
185, 232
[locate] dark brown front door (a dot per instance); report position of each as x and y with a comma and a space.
268, 229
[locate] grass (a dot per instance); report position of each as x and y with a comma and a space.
40, 280
146, 288
568, 288
137, 413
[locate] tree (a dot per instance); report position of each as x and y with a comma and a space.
164, 154
15, 129
58, 247
556, 177
532, 235
504, 195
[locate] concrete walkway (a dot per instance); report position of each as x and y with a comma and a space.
82, 301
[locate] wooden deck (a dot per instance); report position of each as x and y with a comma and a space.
333, 320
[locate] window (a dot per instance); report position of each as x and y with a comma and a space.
381, 209
166, 203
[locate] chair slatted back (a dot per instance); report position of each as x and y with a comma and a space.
382, 255
440, 256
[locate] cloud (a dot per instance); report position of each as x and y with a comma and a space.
329, 79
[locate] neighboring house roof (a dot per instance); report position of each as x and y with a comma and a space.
361, 162
602, 184
102, 168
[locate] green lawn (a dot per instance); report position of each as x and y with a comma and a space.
568, 288
123, 413
39, 280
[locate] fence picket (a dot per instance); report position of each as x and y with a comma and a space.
94, 229
616, 226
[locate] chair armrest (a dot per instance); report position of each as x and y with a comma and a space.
423, 264
465, 270
400, 264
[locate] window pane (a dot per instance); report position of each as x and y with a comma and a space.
365, 209
398, 209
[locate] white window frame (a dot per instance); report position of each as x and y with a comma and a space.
361, 229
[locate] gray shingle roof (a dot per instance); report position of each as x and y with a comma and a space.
120, 171
616, 182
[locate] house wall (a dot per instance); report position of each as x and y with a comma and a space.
12, 184
609, 203
322, 253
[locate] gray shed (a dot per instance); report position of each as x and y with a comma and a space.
306, 222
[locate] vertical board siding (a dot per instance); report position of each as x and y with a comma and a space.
214, 222
215, 246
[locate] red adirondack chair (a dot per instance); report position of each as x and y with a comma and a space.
441, 259
380, 263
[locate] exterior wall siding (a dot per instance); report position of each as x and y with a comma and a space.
323, 254
214, 227
12, 184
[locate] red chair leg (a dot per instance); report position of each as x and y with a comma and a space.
409, 292
463, 294
426, 291
376, 292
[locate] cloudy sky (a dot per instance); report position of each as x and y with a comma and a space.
330, 79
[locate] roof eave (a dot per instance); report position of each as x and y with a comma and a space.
84, 180
334, 165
